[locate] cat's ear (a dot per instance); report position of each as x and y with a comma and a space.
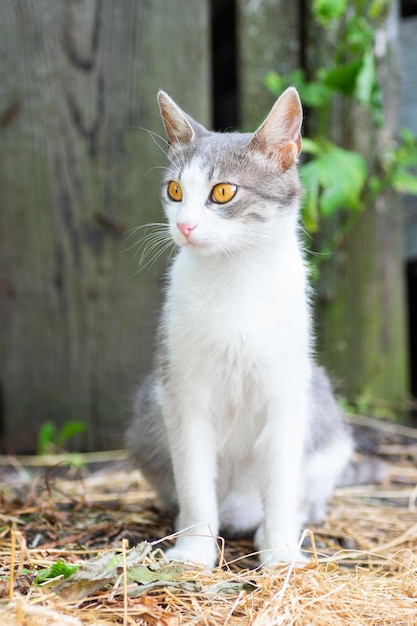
279, 137
179, 126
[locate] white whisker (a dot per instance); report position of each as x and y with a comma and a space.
154, 136
158, 167
155, 241
156, 254
155, 225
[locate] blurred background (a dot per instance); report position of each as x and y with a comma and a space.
78, 172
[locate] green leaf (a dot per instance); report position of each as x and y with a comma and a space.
366, 79
326, 10
46, 437
341, 175
69, 430
57, 569
342, 78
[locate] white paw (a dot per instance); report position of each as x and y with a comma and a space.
193, 551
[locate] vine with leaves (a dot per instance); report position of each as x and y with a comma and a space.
337, 179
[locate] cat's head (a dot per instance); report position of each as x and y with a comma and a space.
225, 191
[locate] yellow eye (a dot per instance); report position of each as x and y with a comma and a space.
175, 191
223, 192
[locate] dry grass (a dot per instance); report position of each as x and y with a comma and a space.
364, 570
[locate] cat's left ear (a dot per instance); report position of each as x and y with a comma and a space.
179, 127
279, 137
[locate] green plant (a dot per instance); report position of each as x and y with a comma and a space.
351, 75
58, 569
50, 438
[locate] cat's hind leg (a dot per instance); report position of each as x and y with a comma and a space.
324, 468
147, 442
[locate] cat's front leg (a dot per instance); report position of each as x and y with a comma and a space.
193, 449
279, 460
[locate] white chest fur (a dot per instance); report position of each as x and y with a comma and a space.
235, 329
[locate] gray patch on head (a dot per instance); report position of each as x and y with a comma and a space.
228, 157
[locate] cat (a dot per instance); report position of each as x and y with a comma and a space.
237, 428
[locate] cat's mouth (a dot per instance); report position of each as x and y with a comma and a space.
197, 241
194, 243
197, 245
187, 239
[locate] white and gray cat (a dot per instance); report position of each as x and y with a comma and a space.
237, 429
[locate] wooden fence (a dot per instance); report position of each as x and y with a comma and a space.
76, 175
78, 87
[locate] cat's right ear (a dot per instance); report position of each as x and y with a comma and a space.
179, 127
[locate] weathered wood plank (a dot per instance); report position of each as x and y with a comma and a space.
81, 78
268, 41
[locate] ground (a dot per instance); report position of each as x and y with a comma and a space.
98, 515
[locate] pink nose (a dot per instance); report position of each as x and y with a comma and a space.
185, 228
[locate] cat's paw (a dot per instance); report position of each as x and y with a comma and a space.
192, 552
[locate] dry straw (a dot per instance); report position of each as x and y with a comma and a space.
363, 570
